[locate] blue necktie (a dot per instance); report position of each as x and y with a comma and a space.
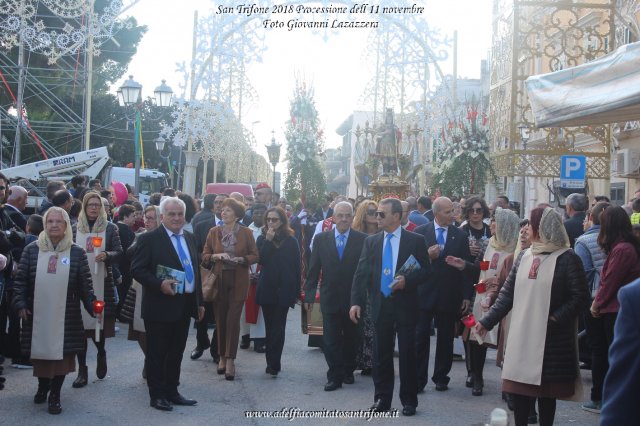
340, 245
188, 270
387, 267
440, 240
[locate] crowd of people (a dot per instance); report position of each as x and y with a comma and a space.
551, 294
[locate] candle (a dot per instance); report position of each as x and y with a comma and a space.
97, 243
98, 307
470, 322
484, 265
481, 287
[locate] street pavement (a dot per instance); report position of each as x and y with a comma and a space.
122, 397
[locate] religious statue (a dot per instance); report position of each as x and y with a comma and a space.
387, 141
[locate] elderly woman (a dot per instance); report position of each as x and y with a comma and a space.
279, 282
504, 230
53, 280
132, 309
233, 249
93, 222
546, 290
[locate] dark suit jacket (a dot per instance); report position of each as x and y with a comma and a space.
367, 276
337, 275
574, 226
622, 383
202, 215
18, 218
155, 248
446, 287
201, 231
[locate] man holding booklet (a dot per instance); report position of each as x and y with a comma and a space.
392, 265
165, 264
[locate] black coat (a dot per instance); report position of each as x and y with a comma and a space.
446, 286
155, 248
113, 248
574, 226
337, 274
17, 217
569, 297
202, 215
79, 290
367, 276
279, 282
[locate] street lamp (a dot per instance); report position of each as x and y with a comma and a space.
160, 144
130, 96
274, 157
525, 134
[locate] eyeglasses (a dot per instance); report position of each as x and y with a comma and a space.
477, 211
273, 219
381, 215
94, 206
371, 212
149, 218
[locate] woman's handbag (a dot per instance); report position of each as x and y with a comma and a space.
209, 284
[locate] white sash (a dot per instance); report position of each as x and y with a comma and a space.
524, 351
496, 260
84, 241
138, 322
50, 305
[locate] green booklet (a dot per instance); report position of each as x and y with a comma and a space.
166, 273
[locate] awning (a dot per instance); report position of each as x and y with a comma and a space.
603, 91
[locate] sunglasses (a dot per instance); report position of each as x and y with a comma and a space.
273, 219
381, 215
477, 211
371, 212
2, 188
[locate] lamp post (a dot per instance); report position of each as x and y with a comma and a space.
274, 157
525, 133
130, 96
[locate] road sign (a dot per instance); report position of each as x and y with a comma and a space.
573, 171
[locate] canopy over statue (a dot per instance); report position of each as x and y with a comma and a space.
387, 141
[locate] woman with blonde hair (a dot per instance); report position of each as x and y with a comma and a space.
364, 219
92, 223
52, 285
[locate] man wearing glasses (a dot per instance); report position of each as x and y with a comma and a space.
394, 303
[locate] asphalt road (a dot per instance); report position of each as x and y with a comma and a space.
122, 397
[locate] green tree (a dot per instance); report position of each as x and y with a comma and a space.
305, 178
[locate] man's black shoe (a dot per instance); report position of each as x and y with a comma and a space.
348, 379
161, 404
197, 353
379, 406
408, 410
259, 347
532, 419
332, 385
271, 371
441, 387
244, 341
469, 382
181, 400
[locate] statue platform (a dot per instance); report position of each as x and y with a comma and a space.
387, 185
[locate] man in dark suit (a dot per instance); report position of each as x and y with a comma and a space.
335, 253
576, 206
206, 212
16, 203
394, 303
167, 314
445, 296
622, 383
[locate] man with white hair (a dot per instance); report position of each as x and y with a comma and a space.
166, 265
17, 201
335, 254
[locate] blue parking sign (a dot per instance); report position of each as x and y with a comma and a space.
573, 171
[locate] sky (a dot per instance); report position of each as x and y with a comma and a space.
335, 67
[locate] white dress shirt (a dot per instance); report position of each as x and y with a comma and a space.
189, 286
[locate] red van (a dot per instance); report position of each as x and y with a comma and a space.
227, 188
